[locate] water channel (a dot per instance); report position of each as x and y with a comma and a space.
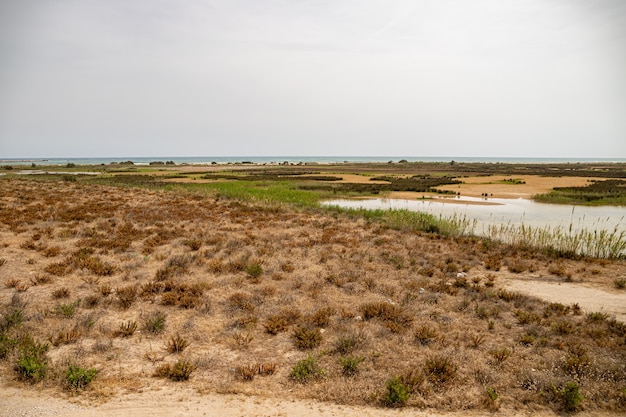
498, 211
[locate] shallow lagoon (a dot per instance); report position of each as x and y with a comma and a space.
496, 211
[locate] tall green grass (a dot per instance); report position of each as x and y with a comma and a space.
402, 219
260, 191
568, 242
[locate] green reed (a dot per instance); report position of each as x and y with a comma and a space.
571, 242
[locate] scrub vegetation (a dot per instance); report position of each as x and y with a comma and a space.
243, 290
597, 193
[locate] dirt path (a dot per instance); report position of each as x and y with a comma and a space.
589, 298
15, 402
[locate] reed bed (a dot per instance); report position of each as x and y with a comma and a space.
570, 242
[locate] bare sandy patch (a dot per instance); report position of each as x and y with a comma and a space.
495, 186
586, 295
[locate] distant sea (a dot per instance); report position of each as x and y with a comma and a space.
201, 160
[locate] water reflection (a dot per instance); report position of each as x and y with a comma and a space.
495, 211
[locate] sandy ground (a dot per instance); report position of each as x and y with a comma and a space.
477, 186
495, 187
589, 298
16, 402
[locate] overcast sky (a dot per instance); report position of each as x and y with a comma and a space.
510, 78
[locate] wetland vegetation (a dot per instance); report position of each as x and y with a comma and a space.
245, 285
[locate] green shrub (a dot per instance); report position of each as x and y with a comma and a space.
567, 396
396, 394
571, 396
12, 319
67, 310
492, 394
350, 364
306, 370
597, 316
77, 378
7, 344
491, 398
32, 363
254, 270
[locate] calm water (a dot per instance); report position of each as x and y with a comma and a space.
506, 211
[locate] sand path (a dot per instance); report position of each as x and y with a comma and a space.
589, 298
15, 402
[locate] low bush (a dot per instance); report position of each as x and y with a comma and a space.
254, 270
350, 364
180, 371
567, 395
32, 362
62, 292
440, 369
500, 355
67, 310
155, 322
77, 378
394, 317
321, 317
305, 370
275, 324
425, 334
349, 342
247, 372
13, 318
396, 393
177, 344
307, 337
127, 328
126, 296
7, 344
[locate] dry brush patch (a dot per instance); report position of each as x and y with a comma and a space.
214, 292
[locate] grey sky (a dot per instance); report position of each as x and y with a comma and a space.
543, 78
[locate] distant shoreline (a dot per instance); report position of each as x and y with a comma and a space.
208, 160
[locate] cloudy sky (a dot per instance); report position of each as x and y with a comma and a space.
514, 78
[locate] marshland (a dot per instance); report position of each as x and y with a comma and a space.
237, 280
